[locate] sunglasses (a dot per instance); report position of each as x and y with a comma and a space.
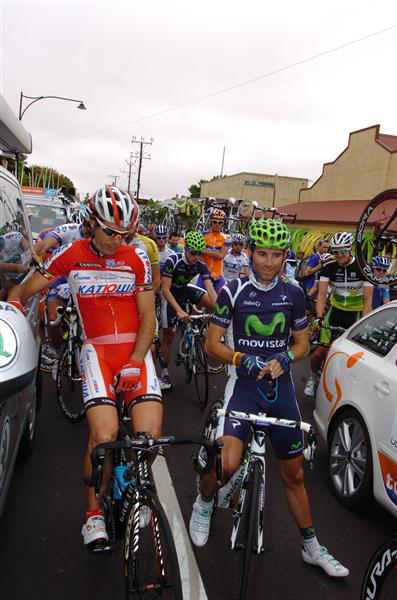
161, 237
195, 253
124, 235
380, 269
217, 222
340, 251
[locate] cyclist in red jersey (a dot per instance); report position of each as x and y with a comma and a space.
111, 285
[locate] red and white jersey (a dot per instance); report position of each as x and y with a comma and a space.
104, 288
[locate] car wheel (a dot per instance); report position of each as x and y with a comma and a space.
350, 459
28, 437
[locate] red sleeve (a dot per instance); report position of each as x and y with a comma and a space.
59, 264
142, 270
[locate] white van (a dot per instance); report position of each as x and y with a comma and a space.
20, 378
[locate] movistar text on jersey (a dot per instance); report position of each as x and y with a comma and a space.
262, 343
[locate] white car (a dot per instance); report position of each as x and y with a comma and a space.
356, 410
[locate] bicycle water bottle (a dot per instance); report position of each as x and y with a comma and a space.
120, 481
226, 493
189, 339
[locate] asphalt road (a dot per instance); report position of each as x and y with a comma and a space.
41, 552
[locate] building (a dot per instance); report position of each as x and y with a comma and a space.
266, 190
366, 167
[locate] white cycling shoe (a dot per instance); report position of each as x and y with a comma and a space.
311, 386
320, 557
94, 533
200, 521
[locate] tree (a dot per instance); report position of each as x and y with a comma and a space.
41, 176
194, 189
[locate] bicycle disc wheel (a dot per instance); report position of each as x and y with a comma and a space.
380, 580
382, 213
151, 564
247, 525
69, 387
200, 373
213, 365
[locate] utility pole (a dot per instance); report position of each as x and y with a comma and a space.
129, 163
140, 155
115, 178
223, 160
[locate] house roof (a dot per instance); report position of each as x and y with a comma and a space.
387, 141
338, 211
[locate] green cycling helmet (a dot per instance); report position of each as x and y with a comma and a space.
269, 233
195, 241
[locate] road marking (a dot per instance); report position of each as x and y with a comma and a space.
192, 584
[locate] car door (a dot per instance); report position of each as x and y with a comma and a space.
378, 335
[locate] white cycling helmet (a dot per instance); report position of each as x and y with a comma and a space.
116, 206
326, 258
341, 240
238, 237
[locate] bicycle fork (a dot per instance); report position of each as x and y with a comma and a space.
256, 454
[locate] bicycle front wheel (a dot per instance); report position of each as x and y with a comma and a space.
69, 386
151, 564
200, 371
249, 519
213, 365
380, 580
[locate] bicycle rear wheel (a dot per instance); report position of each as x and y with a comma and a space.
69, 386
382, 213
380, 580
249, 519
200, 372
150, 561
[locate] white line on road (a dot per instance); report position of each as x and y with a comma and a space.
192, 584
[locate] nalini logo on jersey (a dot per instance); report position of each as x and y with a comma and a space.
111, 288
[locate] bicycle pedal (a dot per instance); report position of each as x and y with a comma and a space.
100, 547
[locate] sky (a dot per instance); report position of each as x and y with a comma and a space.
279, 85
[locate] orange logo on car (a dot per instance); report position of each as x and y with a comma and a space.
351, 361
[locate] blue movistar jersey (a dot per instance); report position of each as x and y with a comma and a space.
181, 272
259, 319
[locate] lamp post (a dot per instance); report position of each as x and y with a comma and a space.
37, 98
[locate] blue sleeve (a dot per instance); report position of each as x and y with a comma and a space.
299, 318
386, 293
203, 270
223, 312
168, 268
313, 260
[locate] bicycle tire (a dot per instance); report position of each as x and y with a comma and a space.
200, 373
213, 365
370, 210
151, 567
70, 399
380, 579
248, 521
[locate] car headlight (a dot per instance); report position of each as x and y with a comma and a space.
8, 344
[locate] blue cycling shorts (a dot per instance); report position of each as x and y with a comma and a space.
248, 396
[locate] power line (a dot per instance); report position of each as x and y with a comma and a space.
228, 89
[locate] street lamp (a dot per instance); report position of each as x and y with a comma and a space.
37, 98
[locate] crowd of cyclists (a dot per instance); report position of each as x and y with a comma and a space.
117, 275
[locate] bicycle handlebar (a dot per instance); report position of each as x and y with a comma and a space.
145, 443
62, 310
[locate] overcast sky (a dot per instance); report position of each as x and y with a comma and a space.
128, 60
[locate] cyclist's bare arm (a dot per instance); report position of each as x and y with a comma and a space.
246, 271
156, 278
47, 243
145, 303
166, 291
217, 253
26, 290
216, 348
211, 293
321, 297
299, 348
367, 294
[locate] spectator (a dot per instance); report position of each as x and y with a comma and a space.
313, 267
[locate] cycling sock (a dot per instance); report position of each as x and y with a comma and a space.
93, 513
164, 371
310, 541
204, 501
308, 533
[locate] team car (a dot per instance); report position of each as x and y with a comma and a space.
356, 410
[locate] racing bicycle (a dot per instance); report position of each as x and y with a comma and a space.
150, 568
380, 579
381, 215
192, 355
68, 378
248, 483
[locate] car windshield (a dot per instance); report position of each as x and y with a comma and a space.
43, 216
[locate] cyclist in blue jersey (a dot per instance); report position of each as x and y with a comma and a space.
262, 320
381, 293
176, 289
